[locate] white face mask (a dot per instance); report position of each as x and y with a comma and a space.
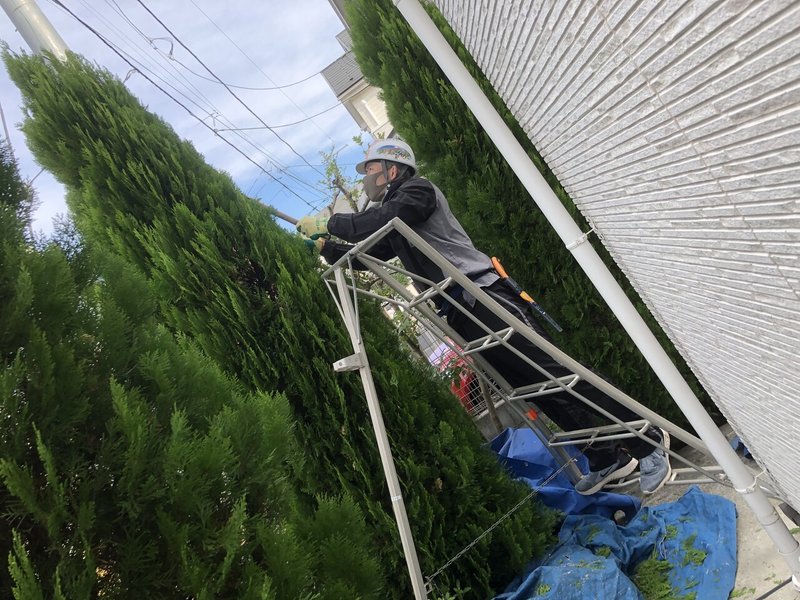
371, 188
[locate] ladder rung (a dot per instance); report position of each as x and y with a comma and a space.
429, 293
674, 478
597, 434
544, 388
488, 341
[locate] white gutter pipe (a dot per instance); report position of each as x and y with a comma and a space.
742, 479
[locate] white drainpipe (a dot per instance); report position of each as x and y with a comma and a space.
742, 479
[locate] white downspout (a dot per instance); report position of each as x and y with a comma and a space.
603, 280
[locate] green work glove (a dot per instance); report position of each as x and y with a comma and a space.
314, 244
313, 227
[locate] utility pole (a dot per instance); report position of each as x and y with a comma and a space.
41, 36
34, 27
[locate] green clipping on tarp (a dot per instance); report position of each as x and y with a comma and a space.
694, 539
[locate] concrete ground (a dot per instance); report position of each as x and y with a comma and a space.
760, 568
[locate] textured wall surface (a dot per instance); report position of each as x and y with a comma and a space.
675, 127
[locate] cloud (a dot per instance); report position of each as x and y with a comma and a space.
287, 40
50, 201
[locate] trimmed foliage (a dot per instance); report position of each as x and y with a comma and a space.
492, 204
250, 297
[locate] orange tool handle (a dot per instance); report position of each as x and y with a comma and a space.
522, 293
499, 268
510, 282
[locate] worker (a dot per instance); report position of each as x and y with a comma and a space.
391, 184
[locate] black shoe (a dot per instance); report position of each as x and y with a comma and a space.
595, 480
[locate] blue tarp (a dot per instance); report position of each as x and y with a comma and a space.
594, 556
738, 445
527, 459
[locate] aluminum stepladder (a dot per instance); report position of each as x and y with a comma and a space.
343, 282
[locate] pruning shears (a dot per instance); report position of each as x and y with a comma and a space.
523, 294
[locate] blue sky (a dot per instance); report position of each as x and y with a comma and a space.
245, 43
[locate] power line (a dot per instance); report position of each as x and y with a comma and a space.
321, 195
113, 3
282, 169
213, 111
320, 165
244, 87
171, 56
322, 112
153, 68
255, 64
178, 102
242, 102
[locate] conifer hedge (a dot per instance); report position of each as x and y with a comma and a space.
249, 296
131, 466
494, 207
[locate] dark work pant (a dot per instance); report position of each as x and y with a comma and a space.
566, 411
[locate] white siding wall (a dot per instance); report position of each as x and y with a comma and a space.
675, 127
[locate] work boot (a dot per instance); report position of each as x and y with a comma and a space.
655, 468
594, 481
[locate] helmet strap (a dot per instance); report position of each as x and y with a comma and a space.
385, 172
401, 171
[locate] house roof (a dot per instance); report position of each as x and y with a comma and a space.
342, 74
338, 8
345, 39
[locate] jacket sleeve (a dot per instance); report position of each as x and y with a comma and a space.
413, 202
333, 251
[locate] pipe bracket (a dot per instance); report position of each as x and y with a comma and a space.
572, 245
350, 363
752, 487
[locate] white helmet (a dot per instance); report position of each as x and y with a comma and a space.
391, 149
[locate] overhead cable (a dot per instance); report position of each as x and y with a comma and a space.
213, 112
171, 56
256, 65
242, 102
242, 87
178, 102
322, 112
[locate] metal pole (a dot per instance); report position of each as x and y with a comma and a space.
34, 27
5, 129
604, 281
487, 397
359, 361
281, 215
